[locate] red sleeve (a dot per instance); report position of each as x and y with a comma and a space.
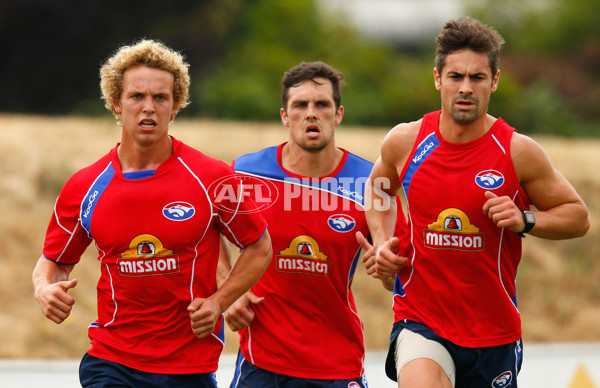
239, 217
66, 239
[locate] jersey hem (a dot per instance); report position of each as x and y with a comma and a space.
303, 374
469, 342
157, 368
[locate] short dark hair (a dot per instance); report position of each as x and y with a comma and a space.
468, 33
309, 71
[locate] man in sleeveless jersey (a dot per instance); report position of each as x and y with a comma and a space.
469, 180
298, 325
151, 207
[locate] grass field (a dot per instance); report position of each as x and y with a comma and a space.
558, 281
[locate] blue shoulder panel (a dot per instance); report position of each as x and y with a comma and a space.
262, 163
93, 195
348, 183
427, 146
352, 178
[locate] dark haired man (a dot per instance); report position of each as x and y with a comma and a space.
469, 181
299, 326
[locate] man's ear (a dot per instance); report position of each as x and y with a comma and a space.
437, 79
495, 81
284, 118
339, 115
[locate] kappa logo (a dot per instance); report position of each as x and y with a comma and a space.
489, 179
179, 211
503, 380
341, 223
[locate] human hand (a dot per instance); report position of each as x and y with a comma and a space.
240, 314
55, 301
204, 314
387, 260
368, 257
503, 212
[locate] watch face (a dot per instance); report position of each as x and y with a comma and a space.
529, 217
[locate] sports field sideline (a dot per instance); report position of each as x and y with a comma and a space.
565, 365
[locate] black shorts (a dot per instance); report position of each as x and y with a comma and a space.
98, 373
495, 366
248, 375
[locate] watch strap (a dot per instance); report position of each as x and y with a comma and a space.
528, 225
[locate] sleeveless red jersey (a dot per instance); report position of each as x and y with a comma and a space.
308, 326
460, 281
158, 244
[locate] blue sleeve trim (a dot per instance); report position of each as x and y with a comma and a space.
56, 262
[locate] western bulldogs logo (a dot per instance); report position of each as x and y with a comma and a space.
489, 179
353, 384
178, 211
504, 380
341, 223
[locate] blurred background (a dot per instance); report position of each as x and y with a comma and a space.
239, 49
53, 123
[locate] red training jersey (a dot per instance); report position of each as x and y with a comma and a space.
158, 245
460, 281
307, 326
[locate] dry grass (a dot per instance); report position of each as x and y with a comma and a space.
559, 296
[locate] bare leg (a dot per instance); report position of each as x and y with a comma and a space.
423, 373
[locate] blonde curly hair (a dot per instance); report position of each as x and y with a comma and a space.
149, 53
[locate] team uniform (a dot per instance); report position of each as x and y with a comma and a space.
157, 236
307, 327
459, 285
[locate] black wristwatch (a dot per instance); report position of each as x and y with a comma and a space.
529, 219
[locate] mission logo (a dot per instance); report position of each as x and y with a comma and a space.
453, 230
303, 256
147, 256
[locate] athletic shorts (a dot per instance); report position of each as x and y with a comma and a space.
99, 373
248, 375
495, 366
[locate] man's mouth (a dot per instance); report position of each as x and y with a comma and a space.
312, 130
465, 103
147, 123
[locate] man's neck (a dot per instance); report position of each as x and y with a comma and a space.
317, 163
459, 133
135, 157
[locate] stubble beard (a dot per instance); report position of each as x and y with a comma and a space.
313, 146
464, 117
